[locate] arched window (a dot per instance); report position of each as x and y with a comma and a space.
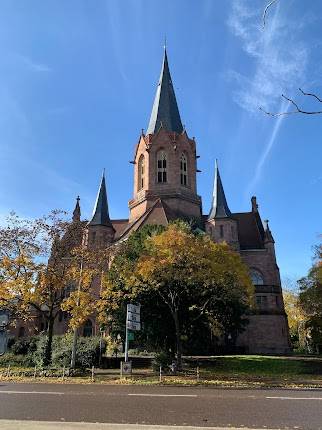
183, 170
256, 277
88, 329
141, 173
162, 166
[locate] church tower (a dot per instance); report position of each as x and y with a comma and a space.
165, 161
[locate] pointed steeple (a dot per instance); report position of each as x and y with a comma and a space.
165, 110
100, 213
219, 207
77, 211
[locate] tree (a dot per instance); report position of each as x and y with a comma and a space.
310, 299
296, 318
39, 264
192, 277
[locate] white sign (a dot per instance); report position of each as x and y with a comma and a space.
133, 317
133, 308
135, 326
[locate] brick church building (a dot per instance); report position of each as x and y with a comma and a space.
165, 189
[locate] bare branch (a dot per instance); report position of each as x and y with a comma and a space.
311, 94
266, 10
297, 108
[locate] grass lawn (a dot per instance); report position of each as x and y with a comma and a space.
238, 371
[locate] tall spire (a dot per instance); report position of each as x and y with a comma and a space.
165, 110
100, 213
77, 211
219, 207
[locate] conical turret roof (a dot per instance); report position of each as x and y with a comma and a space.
165, 110
219, 207
100, 213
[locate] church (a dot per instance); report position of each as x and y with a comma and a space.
165, 189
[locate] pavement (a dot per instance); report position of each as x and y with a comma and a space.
109, 407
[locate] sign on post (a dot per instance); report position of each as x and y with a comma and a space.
133, 323
4, 319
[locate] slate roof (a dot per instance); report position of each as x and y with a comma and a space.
100, 213
250, 230
165, 110
219, 206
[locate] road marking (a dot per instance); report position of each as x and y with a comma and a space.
53, 425
55, 393
293, 398
162, 395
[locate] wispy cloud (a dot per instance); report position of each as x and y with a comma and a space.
31, 64
269, 145
277, 59
279, 56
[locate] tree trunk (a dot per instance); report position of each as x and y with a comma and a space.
49, 342
178, 338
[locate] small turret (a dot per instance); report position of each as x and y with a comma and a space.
219, 206
254, 204
100, 231
77, 211
221, 226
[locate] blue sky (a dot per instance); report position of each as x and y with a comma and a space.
77, 82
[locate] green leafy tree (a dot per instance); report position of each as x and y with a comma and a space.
310, 299
191, 277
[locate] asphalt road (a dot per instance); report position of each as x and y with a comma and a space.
180, 406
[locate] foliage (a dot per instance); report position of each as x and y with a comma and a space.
15, 360
310, 300
41, 263
162, 359
30, 351
184, 278
24, 346
296, 319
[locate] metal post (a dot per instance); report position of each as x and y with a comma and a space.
126, 358
73, 357
160, 376
92, 374
198, 374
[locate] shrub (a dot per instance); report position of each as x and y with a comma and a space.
15, 360
24, 346
30, 351
162, 359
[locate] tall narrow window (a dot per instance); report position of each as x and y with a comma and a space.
183, 170
221, 231
141, 173
162, 166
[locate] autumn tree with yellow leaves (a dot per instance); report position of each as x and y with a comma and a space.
192, 277
40, 274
